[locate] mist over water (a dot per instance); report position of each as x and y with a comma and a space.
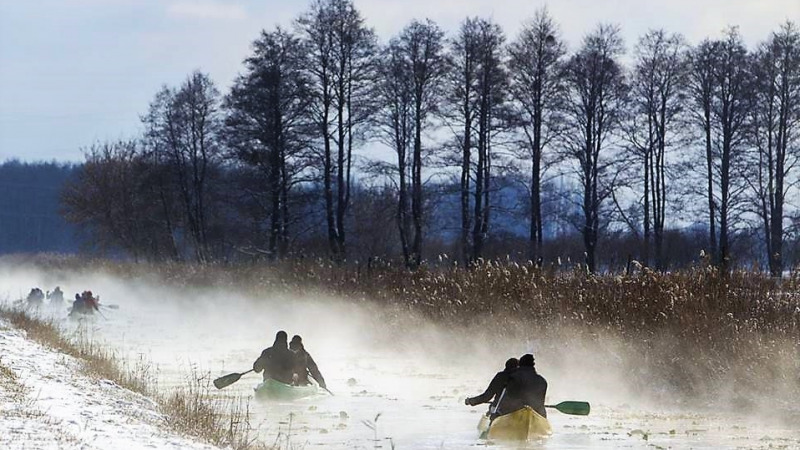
381, 360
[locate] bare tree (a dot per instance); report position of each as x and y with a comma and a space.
594, 110
395, 128
341, 63
266, 124
774, 122
729, 109
461, 113
476, 91
537, 88
658, 96
492, 94
701, 93
409, 93
112, 199
184, 124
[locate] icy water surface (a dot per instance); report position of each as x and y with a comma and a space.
413, 378
417, 392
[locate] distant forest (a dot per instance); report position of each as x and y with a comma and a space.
495, 146
30, 208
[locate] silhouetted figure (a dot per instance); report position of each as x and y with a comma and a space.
525, 387
496, 386
85, 303
57, 296
277, 361
35, 297
304, 364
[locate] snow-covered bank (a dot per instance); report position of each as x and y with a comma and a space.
46, 402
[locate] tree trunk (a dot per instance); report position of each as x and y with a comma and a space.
712, 233
416, 200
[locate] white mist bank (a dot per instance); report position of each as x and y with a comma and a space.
221, 330
414, 372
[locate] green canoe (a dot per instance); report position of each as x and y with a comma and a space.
275, 390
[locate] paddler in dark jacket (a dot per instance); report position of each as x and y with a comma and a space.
276, 361
525, 387
496, 386
304, 364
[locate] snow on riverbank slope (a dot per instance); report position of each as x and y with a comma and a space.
47, 403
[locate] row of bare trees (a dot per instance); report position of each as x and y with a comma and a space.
641, 144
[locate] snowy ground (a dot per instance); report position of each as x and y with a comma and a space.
47, 403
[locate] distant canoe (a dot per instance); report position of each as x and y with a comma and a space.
521, 425
275, 390
81, 311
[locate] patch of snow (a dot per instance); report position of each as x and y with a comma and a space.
49, 404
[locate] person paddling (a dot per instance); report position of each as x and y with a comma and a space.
304, 364
91, 302
35, 297
57, 296
277, 361
496, 386
85, 303
525, 387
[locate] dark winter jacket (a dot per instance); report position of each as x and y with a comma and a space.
276, 362
494, 390
304, 365
525, 387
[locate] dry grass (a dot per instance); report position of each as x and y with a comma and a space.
194, 410
10, 385
191, 410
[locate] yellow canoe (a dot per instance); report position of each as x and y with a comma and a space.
521, 425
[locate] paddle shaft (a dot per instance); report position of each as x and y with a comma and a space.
500, 399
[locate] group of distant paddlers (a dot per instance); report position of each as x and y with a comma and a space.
36, 296
85, 302
288, 363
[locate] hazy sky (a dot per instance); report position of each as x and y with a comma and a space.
76, 71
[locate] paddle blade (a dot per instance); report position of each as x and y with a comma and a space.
573, 408
227, 380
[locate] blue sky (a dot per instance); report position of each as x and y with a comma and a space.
76, 71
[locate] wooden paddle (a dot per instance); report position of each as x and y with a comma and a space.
229, 379
573, 408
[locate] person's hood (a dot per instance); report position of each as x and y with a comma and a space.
280, 341
297, 347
